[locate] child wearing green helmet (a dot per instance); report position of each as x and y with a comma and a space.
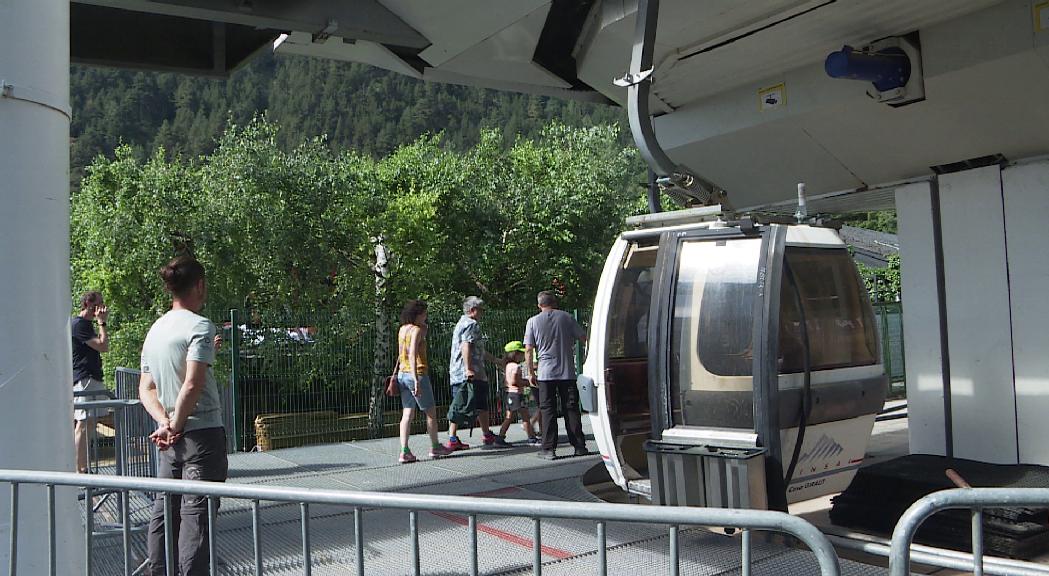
516, 391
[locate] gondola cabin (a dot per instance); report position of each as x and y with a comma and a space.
731, 338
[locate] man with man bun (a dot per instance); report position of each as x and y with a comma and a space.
178, 390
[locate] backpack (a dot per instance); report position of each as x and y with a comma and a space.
463, 409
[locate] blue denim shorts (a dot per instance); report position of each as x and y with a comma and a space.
424, 401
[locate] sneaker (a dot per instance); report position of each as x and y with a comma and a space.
456, 444
581, 451
535, 441
440, 451
500, 442
547, 454
489, 439
407, 458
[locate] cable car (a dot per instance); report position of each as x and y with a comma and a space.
740, 333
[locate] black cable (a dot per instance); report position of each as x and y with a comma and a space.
806, 394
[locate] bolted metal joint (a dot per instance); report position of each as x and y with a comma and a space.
632, 79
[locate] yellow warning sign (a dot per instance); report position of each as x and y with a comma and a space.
772, 97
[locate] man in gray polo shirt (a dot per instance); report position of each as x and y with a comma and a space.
178, 390
550, 336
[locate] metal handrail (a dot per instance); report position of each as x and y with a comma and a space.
472, 506
975, 499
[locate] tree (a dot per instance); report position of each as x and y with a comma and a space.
296, 231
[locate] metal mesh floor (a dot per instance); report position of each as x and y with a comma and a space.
504, 543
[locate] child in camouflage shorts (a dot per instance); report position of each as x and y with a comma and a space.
517, 392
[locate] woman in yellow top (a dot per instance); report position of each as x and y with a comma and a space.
414, 378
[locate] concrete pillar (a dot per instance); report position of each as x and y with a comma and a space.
35, 365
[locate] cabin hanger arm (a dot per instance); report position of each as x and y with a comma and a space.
677, 181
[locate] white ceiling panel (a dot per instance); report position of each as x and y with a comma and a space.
993, 108
335, 48
507, 54
764, 164
455, 25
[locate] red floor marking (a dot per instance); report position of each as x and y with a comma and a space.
497, 491
507, 536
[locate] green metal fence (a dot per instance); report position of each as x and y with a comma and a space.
310, 376
889, 316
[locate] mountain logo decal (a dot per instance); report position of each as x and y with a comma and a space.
824, 448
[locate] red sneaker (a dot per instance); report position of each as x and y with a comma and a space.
489, 439
439, 451
407, 458
456, 444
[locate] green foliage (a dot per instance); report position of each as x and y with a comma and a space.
358, 107
883, 221
283, 232
883, 284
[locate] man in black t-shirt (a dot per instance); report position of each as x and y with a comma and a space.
87, 366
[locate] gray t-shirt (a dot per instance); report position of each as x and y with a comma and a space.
553, 334
467, 330
176, 337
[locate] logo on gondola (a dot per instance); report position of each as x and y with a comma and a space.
824, 448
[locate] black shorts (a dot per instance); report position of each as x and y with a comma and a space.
514, 401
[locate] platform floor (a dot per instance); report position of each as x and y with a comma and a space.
505, 544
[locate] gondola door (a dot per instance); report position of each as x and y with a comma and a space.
713, 363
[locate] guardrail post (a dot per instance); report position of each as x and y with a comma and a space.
977, 532
52, 552
89, 523
602, 549
13, 553
307, 563
537, 547
745, 568
473, 544
358, 539
675, 564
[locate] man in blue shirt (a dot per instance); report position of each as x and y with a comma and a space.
467, 364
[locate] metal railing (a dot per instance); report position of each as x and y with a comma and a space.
976, 500
362, 502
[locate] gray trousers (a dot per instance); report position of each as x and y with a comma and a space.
199, 455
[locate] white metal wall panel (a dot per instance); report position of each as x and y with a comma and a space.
1026, 193
921, 319
983, 400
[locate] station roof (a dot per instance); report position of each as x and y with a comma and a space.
712, 59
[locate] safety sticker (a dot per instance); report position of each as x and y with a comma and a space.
772, 97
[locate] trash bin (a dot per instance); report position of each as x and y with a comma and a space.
706, 475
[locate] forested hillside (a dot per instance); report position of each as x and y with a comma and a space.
358, 107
